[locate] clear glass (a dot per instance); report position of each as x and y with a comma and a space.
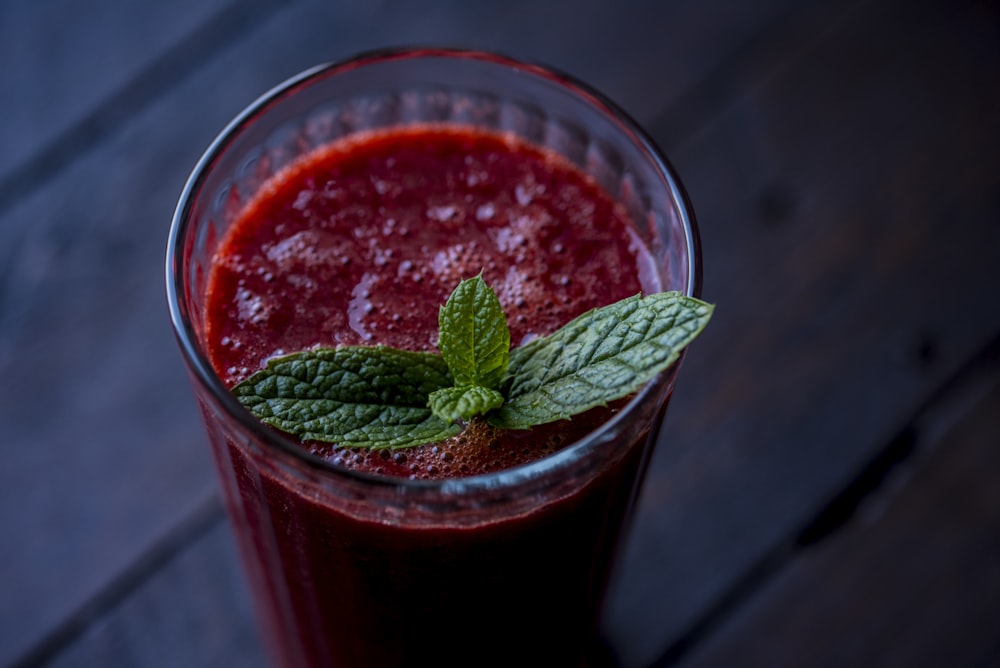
349, 569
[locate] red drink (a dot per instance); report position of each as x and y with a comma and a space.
362, 241
493, 548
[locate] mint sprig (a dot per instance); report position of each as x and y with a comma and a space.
381, 397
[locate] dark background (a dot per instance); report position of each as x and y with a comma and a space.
826, 490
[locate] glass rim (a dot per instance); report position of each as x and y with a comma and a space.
226, 403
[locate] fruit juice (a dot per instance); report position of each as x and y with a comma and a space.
360, 243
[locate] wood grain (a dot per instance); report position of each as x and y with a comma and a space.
848, 199
915, 581
72, 69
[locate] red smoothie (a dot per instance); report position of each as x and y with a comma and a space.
360, 243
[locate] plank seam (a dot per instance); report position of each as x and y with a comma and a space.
836, 515
205, 517
177, 62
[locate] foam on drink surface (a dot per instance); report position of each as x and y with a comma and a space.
362, 241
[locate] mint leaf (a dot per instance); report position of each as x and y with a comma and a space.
603, 355
381, 397
474, 338
462, 403
355, 396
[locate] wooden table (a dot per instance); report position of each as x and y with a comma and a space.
826, 490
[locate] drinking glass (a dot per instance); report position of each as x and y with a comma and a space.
351, 569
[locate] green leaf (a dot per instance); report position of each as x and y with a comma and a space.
462, 403
474, 338
380, 397
603, 355
374, 397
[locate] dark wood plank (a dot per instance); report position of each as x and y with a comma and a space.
104, 453
63, 59
192, 611
848, 195
914, 582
